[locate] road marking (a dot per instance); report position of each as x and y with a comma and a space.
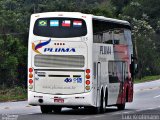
140, 110
116, 113
85, 118
127, 112
146, 109
151, 108
147, 89
99, 116
157, 96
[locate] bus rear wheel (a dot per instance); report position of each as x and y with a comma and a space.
57, 109
95, 110
45, 109
102, 107
121, 106
102, 104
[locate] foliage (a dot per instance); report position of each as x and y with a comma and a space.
12, 94
144, 20
147, 79
11, 55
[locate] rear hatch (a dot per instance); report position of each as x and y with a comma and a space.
59, 69
60, 60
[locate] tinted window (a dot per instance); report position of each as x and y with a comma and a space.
60, 27
102, 26
108, 32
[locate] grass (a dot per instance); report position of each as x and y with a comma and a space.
147, 79
13, 94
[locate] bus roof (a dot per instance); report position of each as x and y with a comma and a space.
102, 18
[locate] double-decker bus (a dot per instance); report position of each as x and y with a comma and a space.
79, 60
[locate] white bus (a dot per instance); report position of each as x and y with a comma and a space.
79, 60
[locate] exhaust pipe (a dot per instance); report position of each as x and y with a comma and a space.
40, 100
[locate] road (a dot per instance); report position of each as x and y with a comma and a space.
146, 104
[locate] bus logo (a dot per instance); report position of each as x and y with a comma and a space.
59, 50
40, 45
68, 80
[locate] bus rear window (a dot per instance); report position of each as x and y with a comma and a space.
60, 27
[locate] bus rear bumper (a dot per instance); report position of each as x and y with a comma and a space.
83, 99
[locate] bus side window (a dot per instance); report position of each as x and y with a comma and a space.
97, 38
110, 71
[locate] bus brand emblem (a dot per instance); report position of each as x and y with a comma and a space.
68, 80
59, 50
40, 45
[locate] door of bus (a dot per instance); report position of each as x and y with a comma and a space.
98, 82
123, 81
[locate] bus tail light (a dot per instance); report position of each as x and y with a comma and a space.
30, 75
87, 76
87, 82
30, 80
30, 69
30, 86
87, 87
87, 70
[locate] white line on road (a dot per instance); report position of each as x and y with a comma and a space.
146, 109
151, 108
140, 110
157, 96
127, 112
99, 116
116, 113
85, 118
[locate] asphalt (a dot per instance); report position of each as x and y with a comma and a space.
145, 106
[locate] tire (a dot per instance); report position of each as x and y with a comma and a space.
102, 107
106, 98
102, 104
121, 106
57, 109
46, 109
95, 110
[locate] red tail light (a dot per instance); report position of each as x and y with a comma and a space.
30, 69
87, 82
87, 70
30, 81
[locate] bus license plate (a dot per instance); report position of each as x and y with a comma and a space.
59, 100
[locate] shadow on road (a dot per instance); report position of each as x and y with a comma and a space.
84, 111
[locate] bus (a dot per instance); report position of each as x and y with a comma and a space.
79, 60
